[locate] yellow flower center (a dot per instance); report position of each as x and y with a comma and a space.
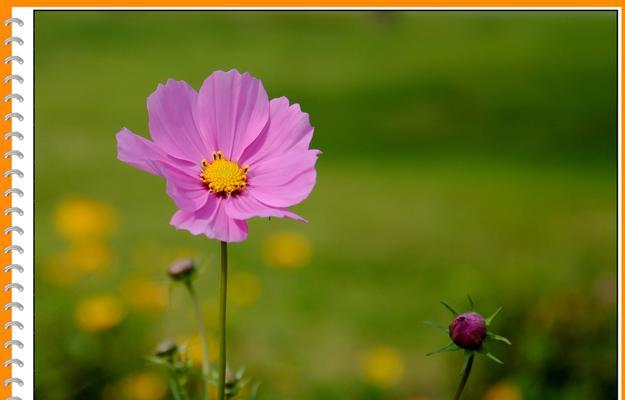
222, 176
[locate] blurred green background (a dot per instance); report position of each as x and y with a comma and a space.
464, 153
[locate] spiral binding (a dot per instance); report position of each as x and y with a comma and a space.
12, 268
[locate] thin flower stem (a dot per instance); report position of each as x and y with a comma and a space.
174, 385
223, 287
203, 337
465, 377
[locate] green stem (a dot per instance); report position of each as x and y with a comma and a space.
223, 287
465, 377
174, 385
202, 332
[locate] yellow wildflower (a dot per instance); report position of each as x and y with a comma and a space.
287, 250
145, 295
99, 313
382, 366
77, 218
503, 391
81, 258
143, 386
87, 256
195, 352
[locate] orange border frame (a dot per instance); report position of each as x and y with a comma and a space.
5, 108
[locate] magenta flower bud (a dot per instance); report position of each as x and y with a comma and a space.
468, 330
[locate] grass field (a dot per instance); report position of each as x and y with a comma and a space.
464, 153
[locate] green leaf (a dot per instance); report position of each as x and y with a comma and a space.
471, 302
437, 326
450, 347
451, 310
499, 338
490, 319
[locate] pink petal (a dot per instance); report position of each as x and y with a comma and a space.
172, 125
228, 229
289, 128
245, 206
281, 169
138, 152
285, 180
232, 110
214, 223
188, 221
287, 194
186, 188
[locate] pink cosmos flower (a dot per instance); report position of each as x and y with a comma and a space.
227, 152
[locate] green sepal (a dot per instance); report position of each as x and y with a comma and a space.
471, 303
483, 350
490, 319
254, 390
499, 338
157, 360
450, 347
495, 359
437, 326
451, 310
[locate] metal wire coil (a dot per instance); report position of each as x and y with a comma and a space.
12, 154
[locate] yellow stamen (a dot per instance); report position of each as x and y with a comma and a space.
222, 176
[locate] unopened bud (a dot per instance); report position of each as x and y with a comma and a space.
468, 330
182, 270
166, 349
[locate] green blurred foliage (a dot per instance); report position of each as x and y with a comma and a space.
464, 152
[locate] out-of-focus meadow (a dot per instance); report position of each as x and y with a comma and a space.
464, 153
